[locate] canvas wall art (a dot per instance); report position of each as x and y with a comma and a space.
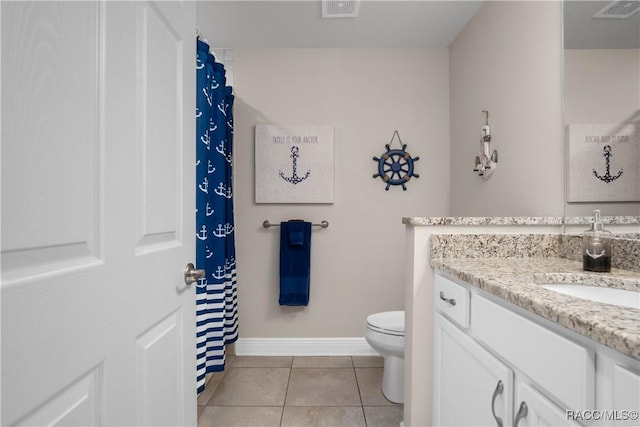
604, 163
294, 163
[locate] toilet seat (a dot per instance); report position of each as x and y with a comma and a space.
388, 323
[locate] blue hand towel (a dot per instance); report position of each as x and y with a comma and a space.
295, 262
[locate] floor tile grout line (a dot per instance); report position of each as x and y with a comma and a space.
364, 416
282, 414
286, 392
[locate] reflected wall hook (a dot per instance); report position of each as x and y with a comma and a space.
485, 164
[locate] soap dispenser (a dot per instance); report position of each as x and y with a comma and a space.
596, 247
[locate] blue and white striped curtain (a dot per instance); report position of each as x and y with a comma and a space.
216, 295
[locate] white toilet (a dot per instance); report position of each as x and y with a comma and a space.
385, 333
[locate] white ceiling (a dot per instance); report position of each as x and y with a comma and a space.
583, 31
386, 24
299, 24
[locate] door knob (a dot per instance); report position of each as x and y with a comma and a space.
192, 275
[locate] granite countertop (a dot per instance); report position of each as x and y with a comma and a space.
482, 220
515, 280
523, 220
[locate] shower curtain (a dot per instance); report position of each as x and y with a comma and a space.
216, 294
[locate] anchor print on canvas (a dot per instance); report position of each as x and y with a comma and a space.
294, 163
603, 163
294, 178
607, 177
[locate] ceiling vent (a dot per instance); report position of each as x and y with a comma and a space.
619, 9
340, 8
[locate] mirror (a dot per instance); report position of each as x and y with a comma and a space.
601, 61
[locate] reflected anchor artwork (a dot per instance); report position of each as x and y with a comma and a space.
607, 177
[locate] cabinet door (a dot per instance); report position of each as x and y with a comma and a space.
626, 395
533, 409
471, 387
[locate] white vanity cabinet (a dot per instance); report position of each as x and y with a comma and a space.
547, 378
473, 385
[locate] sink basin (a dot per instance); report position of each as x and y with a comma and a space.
615, 296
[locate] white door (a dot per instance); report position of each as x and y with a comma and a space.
98, 326
471, 386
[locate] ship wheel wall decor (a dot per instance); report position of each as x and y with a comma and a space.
395, 167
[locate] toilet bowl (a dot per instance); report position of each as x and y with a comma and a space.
385, 333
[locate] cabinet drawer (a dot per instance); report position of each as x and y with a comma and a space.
452, 300
563, 368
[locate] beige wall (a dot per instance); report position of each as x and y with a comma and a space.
357, 263
508, 60
602, 86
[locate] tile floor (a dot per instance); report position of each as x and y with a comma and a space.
298, 392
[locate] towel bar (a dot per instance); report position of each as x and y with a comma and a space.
323, 224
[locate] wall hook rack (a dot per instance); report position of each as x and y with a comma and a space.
485, 163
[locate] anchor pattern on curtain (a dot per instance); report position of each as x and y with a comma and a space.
216, 294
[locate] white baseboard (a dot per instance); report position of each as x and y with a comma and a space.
356, 346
